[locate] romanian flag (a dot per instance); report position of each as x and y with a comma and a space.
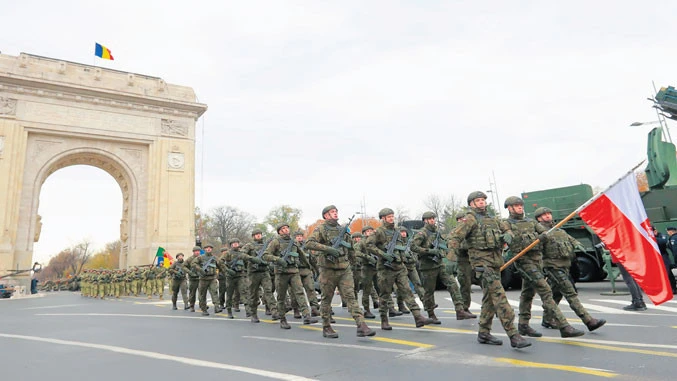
102, 52
167, 260
160, 256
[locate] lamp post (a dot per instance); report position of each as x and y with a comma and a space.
662, 123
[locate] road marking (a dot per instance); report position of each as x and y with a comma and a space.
349, 346
58, 306
566, 368
310, 328
612, 348
403, 342
648, 306
162, 356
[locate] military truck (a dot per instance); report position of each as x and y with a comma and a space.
660, 201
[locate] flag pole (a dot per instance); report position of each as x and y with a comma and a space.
570, 216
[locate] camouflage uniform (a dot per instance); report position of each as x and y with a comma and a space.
483, 234
178, 274
558, 253
223, 285
259, 278
236, 275
205, 266
335, 272
308, 282
193, 277
465, 274
149, 276
160, 275
368, 276
431, 248
391, 271
287, 274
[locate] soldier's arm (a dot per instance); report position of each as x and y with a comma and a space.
372, 242
461, 232
269, 254
316, 241
302, 256
417, 243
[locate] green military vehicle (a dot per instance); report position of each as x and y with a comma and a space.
660, 201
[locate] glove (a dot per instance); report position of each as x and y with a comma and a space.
231, 272
389, 257
507, 238
435, 252
256, 260
542, 237
372, 261
453, 267
333, 252
281, 262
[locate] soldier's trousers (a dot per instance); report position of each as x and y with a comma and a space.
494, 302
179, 285
102, 290
559, 282
429, 278
211, 285
116, 289
238, 283
330, 279
257, 281
128, 287
135, 287
533, 281
160, 287
465, 279
150, 287
357, 271
386, 279
193, 284
223, 286
285, 282
309, 286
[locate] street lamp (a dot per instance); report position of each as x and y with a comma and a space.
637, 124
664, 126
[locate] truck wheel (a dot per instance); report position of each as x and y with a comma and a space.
589, 271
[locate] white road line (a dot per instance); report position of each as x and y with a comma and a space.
46, 307
349, 346
162, 356
648, 306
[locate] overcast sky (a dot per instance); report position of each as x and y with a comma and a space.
315, 102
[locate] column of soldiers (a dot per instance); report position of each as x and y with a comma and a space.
379, 261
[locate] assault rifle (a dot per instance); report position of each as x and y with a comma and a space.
390, 249
209, 262
259, 255
436, 244
338, 240
287, 252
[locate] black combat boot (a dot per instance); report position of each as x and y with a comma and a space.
331, 320
422, 320
255, 318
550, 324
275, 316
470, 314
517, 341
218, 309
314, 311
392, 312
363, 330
368, 314
375, 304
487, 338
463, 315
268, 313
186, 307
384, 324
343, 303
230, 313
174, 307
594, 324
284, 324
309, 320
192, 308
205, 313
431, 315
297, 313
570, 331
328, 332
403, 309
525, 329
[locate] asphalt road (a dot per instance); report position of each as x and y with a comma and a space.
63, 336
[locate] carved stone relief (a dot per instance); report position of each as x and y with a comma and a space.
176, 161
7, 106
174, 127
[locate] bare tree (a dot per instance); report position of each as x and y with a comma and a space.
227, 222
401, 215
81, 254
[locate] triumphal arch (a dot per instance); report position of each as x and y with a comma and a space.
139, 129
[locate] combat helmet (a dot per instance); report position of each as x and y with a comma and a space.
512, 200
427, 215
476, 194
327, 209
256, 231
196, 248
233, 240
385, 212
280, 226
541, 211
364, 229
356, 235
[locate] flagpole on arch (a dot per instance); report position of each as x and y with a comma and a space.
570, 216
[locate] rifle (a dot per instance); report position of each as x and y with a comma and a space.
259, 255
390, 249
209, 262
407, 252
287, 252
338, 240
436, 244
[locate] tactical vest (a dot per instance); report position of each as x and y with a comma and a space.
330, 233
293, 257
558, 246
524, 232
253, 267
239, 265
208, 265
487, 234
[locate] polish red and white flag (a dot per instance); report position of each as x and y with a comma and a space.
618, 217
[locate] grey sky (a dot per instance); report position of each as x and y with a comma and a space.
314, 102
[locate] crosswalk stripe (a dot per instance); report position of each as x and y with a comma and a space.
648, 306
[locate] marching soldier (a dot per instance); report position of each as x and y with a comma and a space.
193, 277
160, 275
483, 233
530, 266
178, 275
465, 276
558, 254
368, 276
431, 248
259, 278
329, 239
307, 278
388, 245
283, 252
223, 284
236, 273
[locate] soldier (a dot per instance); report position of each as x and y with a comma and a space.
431, 248
357, 274
160, 275
205, 266
530, 267
355, 263
307, 278
329, 239
178, 275
259, 277
193, 277
465, 277
558, 254
483, 233
149, 277
388, 245
223, 285
283, 252
234, 262
368, 276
